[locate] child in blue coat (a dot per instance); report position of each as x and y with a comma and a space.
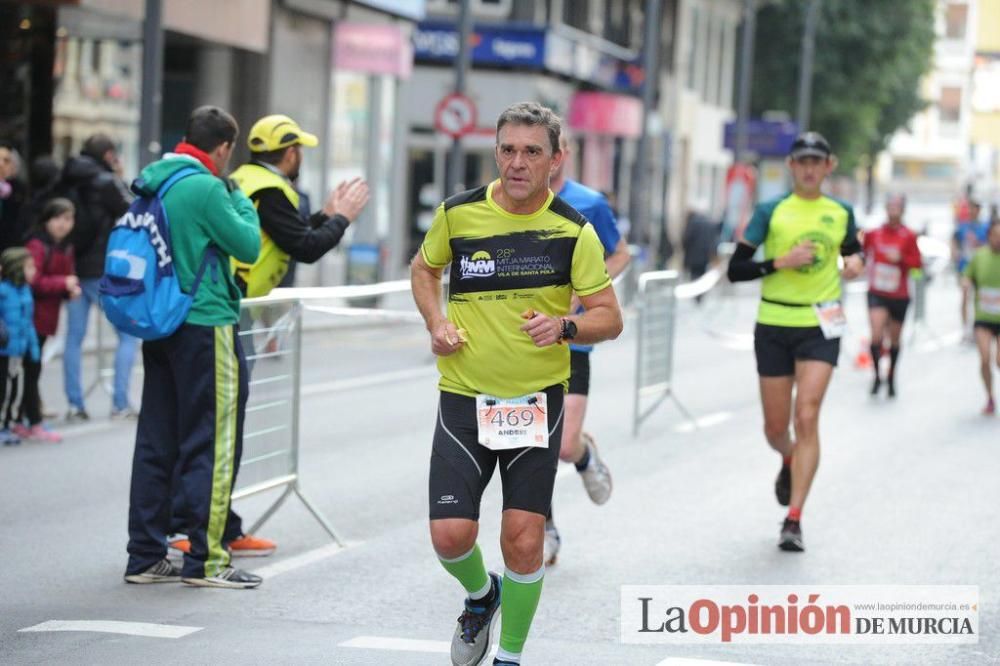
17, 270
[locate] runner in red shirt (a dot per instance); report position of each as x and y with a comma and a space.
892, 252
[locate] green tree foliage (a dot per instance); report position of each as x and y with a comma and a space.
870, 58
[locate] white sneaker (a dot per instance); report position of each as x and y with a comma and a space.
596, 478
128, 413
551, 544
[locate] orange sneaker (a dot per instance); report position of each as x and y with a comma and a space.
183, 545
248, 545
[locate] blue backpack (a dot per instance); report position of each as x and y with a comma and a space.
140, 292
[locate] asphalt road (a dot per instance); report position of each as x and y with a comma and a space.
906, 494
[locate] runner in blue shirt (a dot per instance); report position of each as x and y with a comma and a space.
577, 446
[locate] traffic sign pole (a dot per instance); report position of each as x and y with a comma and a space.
456, 169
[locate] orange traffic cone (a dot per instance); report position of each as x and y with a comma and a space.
863, 360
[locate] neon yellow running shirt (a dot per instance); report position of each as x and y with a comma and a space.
503, 264
984, 271
780, 224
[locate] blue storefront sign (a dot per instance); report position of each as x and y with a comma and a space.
767, 138
491, 45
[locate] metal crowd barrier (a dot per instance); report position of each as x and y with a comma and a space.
271, 335
654, 360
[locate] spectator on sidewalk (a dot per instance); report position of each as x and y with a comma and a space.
91, 183
287, 234
54, 283
700, 241
12, 198
16, 312
195, 385
701, 237
43, 178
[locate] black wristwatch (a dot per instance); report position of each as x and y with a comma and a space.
568, 329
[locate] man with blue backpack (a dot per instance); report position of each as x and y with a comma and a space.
168, 255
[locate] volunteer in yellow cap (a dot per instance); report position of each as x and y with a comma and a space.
286, 233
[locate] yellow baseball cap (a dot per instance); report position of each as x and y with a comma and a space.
276, 132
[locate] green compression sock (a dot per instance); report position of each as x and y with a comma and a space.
470, 572
518, 602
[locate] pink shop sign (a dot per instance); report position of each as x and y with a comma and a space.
606, 113
372, 49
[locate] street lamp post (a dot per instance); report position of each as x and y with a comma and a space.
152, 83
639, 203
806, 74
746, 79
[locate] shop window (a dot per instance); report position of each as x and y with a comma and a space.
576, 13
950, 105
619, 27
938, 171
692, 50
956, 17
497, 8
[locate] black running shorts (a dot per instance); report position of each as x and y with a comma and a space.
461, 467
896, 306
579, 372
990, 326
778, 347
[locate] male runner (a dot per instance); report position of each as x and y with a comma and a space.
800, 318
517, 254
982, 276
892, 251
578, 447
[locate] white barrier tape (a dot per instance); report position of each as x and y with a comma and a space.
391, 315
701, 286
329, 293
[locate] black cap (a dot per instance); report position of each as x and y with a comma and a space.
810, 144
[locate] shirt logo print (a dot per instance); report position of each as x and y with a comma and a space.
479, 265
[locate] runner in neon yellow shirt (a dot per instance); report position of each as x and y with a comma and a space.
799, 322
982, 276
517, 254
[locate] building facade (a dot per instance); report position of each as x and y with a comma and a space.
985, 102
932, 156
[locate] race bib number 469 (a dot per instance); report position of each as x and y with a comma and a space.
513, 423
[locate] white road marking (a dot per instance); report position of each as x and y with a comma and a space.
687, 661
369, 380
734, 341
404, 645
397, 644
113, 627
939, 343
704, 422
303, 559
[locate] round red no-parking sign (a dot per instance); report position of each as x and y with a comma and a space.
455, 115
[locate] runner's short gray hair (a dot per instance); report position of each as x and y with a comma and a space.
532, 114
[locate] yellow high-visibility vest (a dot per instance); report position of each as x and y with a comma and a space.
272, 263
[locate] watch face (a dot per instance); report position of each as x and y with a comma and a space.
569, 329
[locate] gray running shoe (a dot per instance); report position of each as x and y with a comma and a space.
791, 536
550, 546
229, 578
161, 572
471, 642
596, 478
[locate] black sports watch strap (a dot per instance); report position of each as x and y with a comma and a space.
568, 329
